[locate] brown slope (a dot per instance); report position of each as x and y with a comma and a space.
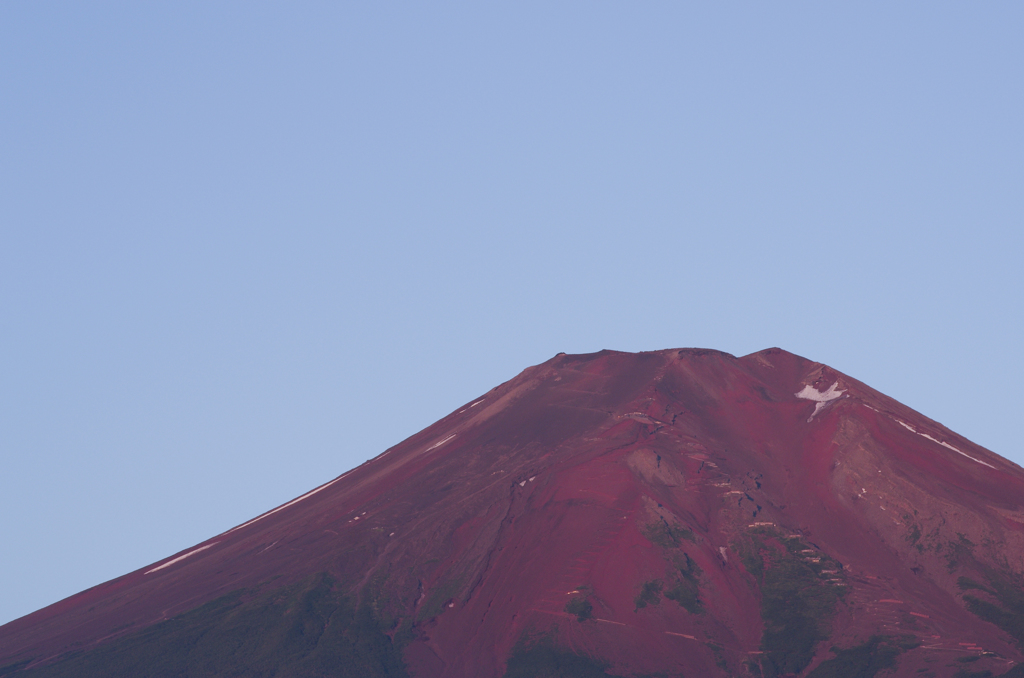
772, 534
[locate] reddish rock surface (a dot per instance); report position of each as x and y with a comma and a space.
690, 475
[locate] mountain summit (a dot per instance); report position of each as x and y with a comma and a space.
670, 513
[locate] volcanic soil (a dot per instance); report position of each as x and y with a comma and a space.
671, 513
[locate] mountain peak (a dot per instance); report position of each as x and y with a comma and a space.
669, 512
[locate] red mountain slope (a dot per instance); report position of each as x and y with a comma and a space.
679, 512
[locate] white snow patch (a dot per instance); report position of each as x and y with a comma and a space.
822, 398
439, 444
946, 445
531, 478
183, 557
464, 409
522, 483
725, 556
293, 501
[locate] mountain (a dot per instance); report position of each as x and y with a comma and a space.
670, 513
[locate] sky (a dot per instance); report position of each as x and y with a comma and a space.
245, 247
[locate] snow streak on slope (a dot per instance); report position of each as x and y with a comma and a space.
293, 501
180, 558
946, 445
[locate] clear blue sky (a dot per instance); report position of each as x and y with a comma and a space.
247, 246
